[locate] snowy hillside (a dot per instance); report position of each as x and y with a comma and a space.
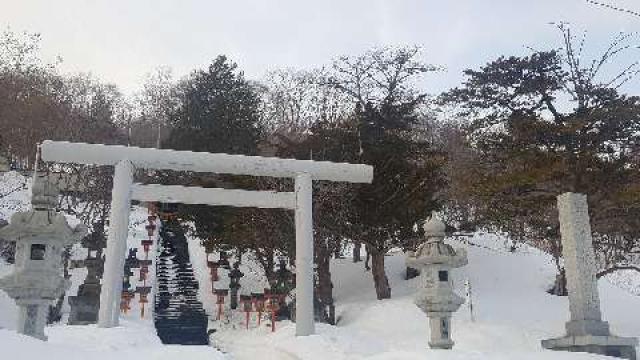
135, 339
14, 194
128, 342
512, 313
14, 197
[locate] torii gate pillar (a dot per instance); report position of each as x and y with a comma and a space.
116, 244
304, 255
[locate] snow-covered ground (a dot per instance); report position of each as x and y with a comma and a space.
14, 197
131, 341
512, 314
14, 194
134, 339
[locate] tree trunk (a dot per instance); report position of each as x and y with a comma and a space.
239, 253
267, 262
559, 287
325, 286
337, 250
356, 252
367, 258
380, 280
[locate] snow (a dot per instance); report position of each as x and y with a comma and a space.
98, 154
253, 281
14, 194
8, 308
14, 197
132, 341
626, 279
512, 312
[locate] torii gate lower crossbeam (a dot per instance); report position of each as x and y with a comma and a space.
126, 159
300, 201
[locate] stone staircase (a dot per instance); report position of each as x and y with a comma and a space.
179, 317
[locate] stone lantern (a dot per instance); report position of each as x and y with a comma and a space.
436, 298
41, 235
85, 305
234, 284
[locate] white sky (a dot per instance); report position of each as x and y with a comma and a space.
122, 40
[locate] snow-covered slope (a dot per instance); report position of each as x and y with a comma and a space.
512, 314
135, 339
14, 194
127, 342
8, 309
14, 197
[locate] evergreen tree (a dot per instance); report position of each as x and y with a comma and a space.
219, 111
407, 176
530, 148
388, 133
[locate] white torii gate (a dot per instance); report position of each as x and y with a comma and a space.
126, 159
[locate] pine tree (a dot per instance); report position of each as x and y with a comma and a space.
218, 112
530, 148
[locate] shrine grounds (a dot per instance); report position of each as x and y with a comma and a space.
512, 314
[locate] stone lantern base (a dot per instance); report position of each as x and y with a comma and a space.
84, 310
622, 347
32, 317
440, 331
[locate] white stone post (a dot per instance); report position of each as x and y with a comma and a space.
586, 332
580, 266
304, 255
116, 245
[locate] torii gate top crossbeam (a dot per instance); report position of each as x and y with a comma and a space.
95, 154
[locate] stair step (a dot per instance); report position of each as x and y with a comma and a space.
179, 317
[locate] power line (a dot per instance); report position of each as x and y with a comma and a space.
609, 6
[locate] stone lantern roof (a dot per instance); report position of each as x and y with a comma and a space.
434, 250
42, 221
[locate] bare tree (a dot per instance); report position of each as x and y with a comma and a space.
293, 100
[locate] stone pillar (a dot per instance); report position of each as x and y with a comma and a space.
586, 332
304, 255
32, 317
440, 330
580, 266
116, 245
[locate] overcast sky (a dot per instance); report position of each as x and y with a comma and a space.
122, 40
